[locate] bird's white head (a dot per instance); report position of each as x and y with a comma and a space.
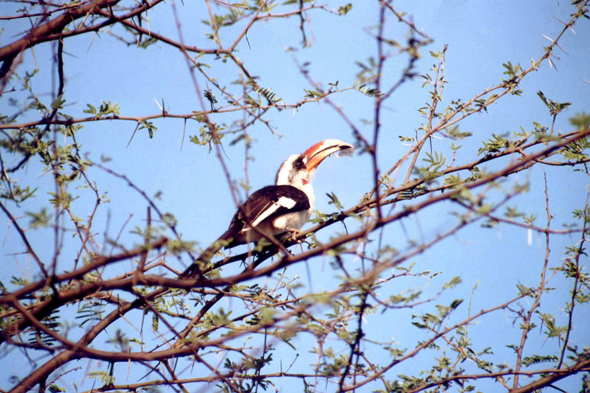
298, 170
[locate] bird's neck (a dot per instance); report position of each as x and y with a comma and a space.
308, 190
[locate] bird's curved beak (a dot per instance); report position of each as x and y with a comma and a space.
318, 152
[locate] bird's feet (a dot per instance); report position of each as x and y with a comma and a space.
291, 235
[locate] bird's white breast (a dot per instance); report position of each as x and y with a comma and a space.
290, 221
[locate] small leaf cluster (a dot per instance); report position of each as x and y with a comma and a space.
345, 9
514, 73
575, 151
554, 107
435, 162
51, 322
368, 91
496, 144
104, 109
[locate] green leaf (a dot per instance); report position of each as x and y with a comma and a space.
334, 201
496, 144
39, 220
53, 388
155, 323
103, 376
580, 120
554, 107
366, 90
452, 283
210, 96
345, 9
58, 103
436, 161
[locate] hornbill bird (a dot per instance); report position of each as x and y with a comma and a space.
275, 210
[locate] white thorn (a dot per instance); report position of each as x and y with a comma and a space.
529, 236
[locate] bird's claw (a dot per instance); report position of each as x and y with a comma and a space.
292, 235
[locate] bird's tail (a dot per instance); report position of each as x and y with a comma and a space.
196, 267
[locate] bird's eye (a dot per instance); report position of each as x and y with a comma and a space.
299, 164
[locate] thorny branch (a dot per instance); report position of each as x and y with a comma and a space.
267, 314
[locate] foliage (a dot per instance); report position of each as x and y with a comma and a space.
115, 314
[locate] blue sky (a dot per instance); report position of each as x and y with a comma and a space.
481, 36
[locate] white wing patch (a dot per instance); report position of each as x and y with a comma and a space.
287, 202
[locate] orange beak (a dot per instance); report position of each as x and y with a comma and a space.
318, 152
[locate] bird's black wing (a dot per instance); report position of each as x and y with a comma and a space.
267, 203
